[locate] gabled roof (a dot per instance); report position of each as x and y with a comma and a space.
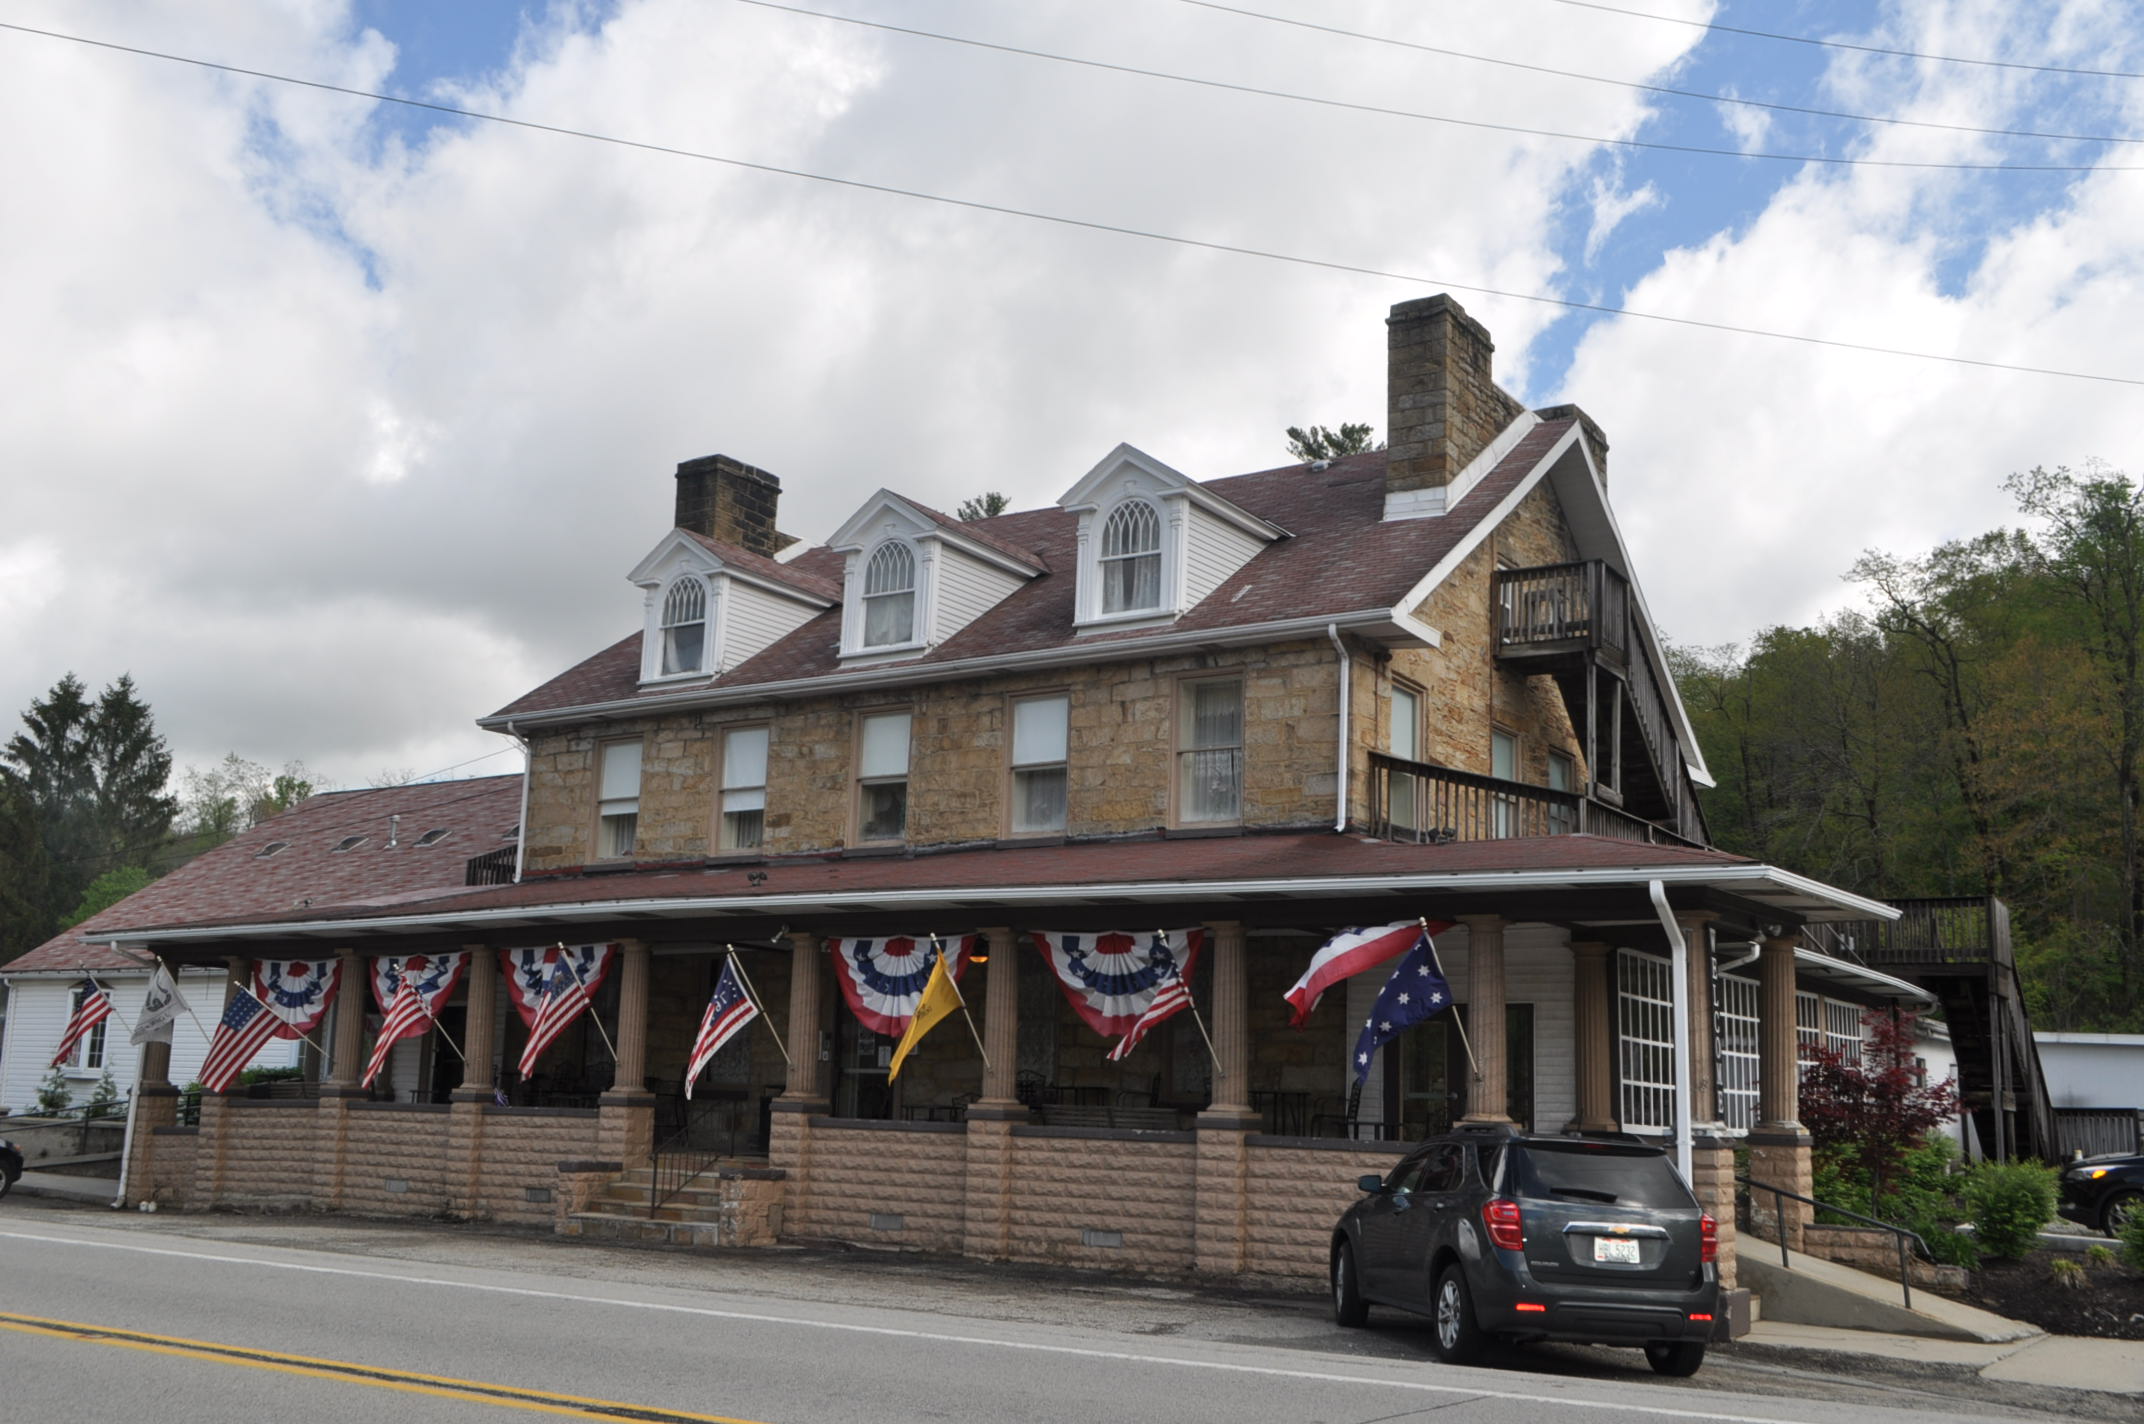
235, 881
757, 567
1342, 560
992, 547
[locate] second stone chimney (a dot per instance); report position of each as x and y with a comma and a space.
731, 501
1443, 406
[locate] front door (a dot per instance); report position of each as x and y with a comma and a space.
863, 1058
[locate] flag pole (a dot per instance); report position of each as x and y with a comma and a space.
206, 1036
247, 990
962, 999
758, 1003
1457, 1022
567, 959
1192, 1002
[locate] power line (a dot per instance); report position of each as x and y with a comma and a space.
1235, 88
1652, 88
1084, 224
1848, 44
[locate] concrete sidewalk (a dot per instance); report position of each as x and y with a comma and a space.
99, 1190
2056, 1361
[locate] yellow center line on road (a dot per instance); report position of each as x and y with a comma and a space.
348, 1372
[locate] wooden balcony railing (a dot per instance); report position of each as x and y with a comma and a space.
1414, 801
1583, 605
1964, 929
493, 867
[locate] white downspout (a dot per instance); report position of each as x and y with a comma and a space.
1679, 994
1347, 680
521, 829
126, 1139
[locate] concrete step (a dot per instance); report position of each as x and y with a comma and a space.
591, 1226
1813, 1291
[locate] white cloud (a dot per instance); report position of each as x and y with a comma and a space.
1611, 203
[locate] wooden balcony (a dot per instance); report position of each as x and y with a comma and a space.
1560, 609
1431, 805
1932, 935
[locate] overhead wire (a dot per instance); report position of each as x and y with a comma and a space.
1709, 98
1379, 109
1851, 45
1083, 224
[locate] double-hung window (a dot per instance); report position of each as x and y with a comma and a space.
1406, 787
1041, 729
618, 804
890, 597
744, 788
882, 777
89, 1049
1209, 756
685, 627
1131, 559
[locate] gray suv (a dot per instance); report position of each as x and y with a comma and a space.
1502, 1235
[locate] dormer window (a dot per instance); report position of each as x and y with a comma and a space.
685, 627
1131, 559
890, 596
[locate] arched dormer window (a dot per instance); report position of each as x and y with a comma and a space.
890, 596
685, 627
1131, 558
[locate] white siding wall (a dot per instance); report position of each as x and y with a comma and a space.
2089, 1070
1213, 550
967, 589
752, 619
39, 1016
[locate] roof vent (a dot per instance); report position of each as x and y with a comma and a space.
350, 843
433, 837
270, 849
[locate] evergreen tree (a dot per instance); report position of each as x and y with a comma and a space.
984, 506
1319, 443
25, 874
129, 765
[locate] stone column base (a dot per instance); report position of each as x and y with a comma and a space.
625, 1131
155, 1105
465, 1156
1221, 1200
1785, 1159
987, 1213
789, 1149
1712, 1163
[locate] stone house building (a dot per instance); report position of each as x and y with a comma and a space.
1245, 712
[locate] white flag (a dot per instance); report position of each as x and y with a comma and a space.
159, 1010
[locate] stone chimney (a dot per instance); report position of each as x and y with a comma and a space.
1442, 405
731, 501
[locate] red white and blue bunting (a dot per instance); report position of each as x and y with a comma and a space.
433, 976
528, 972
1111, 979
296, 991
883, 978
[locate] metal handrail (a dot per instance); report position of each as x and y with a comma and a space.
1899, 1233
680, 1159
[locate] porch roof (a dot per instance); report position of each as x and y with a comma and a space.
1359, 878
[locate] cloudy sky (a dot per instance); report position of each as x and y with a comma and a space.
338, 423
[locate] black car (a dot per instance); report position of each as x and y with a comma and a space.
2103, 1192
10, 1165
1503, 1235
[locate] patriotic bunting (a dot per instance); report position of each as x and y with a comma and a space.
565, 995
433, 975
95, 1008
406, 1017
883, 978
245, 1026
1111, 979
1349, 953
728, 1012
297, 992
528, 972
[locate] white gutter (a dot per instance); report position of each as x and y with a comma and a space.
521, 827
911, 674
1679, 994
1862, 976
1729, 878
1332, 631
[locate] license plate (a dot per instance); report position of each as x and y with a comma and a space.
1620, 1249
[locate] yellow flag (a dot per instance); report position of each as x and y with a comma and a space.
939, 999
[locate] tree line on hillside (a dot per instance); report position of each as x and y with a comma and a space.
1979, 730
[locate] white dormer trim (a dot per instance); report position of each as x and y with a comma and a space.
1438, 500
745, 611
1204, 538
958, 577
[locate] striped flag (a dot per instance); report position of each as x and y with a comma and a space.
1349, 953
1172, 998
563, 999
728, 1011
95, 1007
406, 1015
246, 1025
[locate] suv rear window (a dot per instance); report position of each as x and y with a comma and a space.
1594, 1172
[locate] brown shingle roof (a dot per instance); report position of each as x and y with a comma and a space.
1342, 557
232, 882
787, 575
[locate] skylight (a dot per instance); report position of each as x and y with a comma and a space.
270, 849
350, 843
434, 837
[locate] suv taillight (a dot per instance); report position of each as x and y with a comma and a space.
1500, 1217
1708, 1239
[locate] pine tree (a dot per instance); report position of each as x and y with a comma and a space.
129, 765
25, 875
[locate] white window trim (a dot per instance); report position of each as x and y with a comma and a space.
924, 610
1737, 1029
1180, 750
906, 779
1172, 511
1014, 766
717, 591
639, 785
723, 789
1645, 1047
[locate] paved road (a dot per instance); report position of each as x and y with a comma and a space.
215, 1320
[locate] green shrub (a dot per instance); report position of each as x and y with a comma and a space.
2132, 1239
52, 1093
2098, 1256
2009, 1202
2067, 1274
1950, 1248
269, 1075
1837, 1179
104, 1102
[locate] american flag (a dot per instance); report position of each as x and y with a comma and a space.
728, 1011
1416, 993
95, 1008
244, 1027
406, 1015
1173, 997
563, 999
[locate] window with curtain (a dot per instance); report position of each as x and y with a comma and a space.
1210, 751
882, 777
685, 626
618, 804
890, 596
1130, 562
1041, 730
89, 1049
744, 788
1406, 742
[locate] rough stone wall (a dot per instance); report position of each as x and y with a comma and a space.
391, 1145
1296, 1196
1866, 1249
268, 1154
1443, 404
521, 1149
1788, 1165
890, 1169
1714, 1171
169, 1176
1066, 1184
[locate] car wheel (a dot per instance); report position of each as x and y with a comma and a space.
1349, 1308
1458, 1339
1677, 1359
2119, 1209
